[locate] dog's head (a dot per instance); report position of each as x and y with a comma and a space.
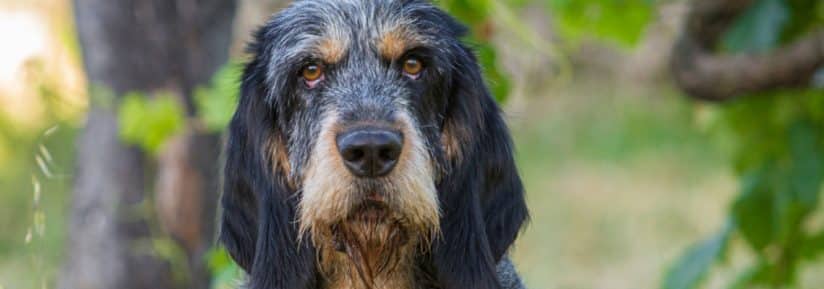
366, 122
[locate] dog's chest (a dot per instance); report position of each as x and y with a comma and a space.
396, 282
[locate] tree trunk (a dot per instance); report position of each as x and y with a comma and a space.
146, 46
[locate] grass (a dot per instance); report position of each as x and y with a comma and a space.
27, 258
618, 181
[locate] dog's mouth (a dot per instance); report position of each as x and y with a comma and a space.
372, 211
373, 237
371, 224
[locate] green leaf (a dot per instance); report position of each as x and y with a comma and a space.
799, 194
808, 170
806, 15
499, 84
813, 246
619, 21
759, 28
218, 259
132, 110
471, 12
476, 14
225, 272
779, 139
753, 210
228, 278
789, 214
216, 103
754, 275
149, 123
691, 268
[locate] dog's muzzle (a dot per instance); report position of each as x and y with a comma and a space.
369, 182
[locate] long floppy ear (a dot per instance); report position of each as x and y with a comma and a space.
258, 226
481, 194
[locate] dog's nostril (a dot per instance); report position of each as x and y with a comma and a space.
353, 155
389, 153
370, 152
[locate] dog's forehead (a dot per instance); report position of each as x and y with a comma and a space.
386, 26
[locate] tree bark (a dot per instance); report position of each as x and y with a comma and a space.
146, 46
705, 74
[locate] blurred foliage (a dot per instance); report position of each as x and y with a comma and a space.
150, 122
36, 153
778, 141
617, 21
692, 269
32, 204
779, 151
477, 14
35, 157
217, 102
778, 144
759, 28
225, 273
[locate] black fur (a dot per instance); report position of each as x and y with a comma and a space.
480, 191
482, 195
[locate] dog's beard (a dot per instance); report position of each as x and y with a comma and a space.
374, 239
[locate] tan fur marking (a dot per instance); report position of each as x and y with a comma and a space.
325, 197
283, 160
331, 50
414, 180
393, 44
280, 158
451, 142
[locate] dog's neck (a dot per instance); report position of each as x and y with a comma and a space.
341, 272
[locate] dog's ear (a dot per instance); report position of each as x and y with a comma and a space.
257, 225
481, 193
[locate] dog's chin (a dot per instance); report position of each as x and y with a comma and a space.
371, 225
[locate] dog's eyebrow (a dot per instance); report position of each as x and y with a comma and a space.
394, 43
331, 49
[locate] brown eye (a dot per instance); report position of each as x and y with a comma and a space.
412, 67
312, 73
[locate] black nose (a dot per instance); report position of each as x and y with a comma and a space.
370, 152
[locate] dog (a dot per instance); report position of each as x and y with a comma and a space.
367, 153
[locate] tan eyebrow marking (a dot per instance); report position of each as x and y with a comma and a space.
331, 50
394, 43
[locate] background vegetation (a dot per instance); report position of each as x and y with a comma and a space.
632, 184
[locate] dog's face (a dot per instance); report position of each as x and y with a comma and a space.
364, 85
366, 124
